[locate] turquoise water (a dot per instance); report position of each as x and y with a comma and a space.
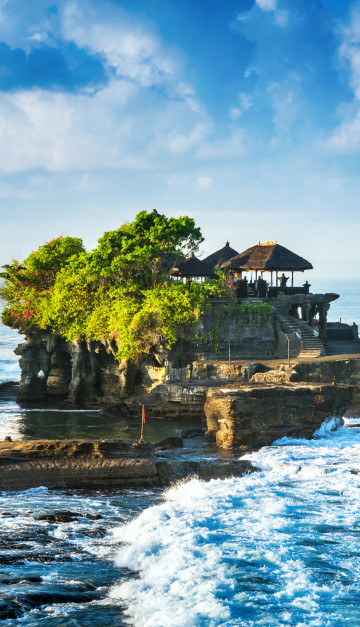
276, 548
347, 307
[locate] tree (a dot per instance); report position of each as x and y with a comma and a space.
120, 293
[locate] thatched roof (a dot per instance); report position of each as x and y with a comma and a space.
190, 267
222, 255
270, 257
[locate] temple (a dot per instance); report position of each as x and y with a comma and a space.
266, 273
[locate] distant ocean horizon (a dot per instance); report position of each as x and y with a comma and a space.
347, 307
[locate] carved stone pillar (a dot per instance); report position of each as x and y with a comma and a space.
323, 309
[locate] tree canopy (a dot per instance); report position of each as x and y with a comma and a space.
119, 293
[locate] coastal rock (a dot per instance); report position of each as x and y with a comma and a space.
224, 469
250, 417
184, 401
193, 433
169, 443
170, 470
76, 464
106, 463
276, 376
65, 516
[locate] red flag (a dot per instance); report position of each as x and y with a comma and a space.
143, 414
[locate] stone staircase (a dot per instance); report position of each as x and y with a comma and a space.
309, 347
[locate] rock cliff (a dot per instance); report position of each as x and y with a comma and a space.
252, 416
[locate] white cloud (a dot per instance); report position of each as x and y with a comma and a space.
235, 113
180, 142
267, 5
204, 182
246, 101
346, 137
281, 18
227, 148
286, 103
145, 113
130, 48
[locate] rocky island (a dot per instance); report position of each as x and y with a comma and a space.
135, 322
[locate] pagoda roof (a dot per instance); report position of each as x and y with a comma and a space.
190, 267
220, 256
268, 257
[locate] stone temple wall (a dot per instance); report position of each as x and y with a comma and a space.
250, 337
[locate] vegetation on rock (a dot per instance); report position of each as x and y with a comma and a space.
119, 293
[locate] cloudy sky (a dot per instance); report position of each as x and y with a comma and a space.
244, 114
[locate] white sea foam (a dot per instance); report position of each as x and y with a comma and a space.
9, 362
9, 371
279, 547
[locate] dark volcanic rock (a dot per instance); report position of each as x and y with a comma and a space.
168, 443
172, 470
193, 433
21, 604
119, 409
224, 469
65, 516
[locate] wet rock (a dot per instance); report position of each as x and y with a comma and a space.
76, 464
168, 443
15, 580
17, 607
99, 532
65, 516
193, 433
119, 410
171, 471
42, 558
224, 469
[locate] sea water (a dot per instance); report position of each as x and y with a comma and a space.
277, 547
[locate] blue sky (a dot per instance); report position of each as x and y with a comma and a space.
244, 114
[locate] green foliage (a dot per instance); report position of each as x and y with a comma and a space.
140, 254
254, 312
120, 293
27, 286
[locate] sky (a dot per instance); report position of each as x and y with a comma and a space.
242, 114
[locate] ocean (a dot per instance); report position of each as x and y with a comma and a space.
278, 547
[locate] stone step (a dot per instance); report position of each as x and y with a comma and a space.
311, 345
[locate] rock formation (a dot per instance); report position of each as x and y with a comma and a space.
253, 416
104, 463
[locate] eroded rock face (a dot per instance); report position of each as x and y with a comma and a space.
250, 417
103, 463
184, 401
76, 464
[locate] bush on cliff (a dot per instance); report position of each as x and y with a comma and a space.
119, 293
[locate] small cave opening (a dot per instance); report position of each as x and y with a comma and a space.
139, 378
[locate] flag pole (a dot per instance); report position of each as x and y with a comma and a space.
142, 441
